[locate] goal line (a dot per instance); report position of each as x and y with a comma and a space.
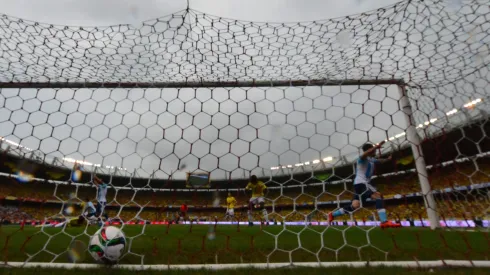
402, 264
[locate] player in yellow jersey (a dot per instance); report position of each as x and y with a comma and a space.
257, 200
230, 207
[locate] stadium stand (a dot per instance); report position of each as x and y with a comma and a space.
460, 183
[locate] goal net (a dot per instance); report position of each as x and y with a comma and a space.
174, 117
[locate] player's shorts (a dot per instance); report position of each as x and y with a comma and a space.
256, 200
363, 191
99, 208
183, 214
230, 211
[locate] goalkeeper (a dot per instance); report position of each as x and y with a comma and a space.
257, 199
362, 187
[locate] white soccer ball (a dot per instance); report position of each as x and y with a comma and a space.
107, 245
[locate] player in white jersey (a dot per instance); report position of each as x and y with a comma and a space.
88, 208
101, 197
88, 212
363, 188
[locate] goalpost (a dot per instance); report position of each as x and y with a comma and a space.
289, 102
420, 166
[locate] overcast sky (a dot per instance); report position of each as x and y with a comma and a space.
112, 12
144, 129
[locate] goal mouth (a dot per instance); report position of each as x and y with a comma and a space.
157, 132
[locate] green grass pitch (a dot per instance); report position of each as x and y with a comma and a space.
183, 244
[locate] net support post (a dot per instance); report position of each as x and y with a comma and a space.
418, 156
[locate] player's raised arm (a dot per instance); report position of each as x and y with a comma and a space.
385, 160
369, 149
97, 181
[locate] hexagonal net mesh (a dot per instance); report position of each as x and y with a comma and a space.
172, 118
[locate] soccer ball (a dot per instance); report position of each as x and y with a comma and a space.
107, 245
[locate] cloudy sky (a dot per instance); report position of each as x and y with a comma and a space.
113, 12
217, 129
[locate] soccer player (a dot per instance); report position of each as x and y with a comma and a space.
362, 187
101, 197
230, 207
257, 199
88, 211
88, 208
183, 212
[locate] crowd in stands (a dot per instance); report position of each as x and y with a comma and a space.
447, 209
126, 203
12, 213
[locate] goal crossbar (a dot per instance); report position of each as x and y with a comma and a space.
203, 84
